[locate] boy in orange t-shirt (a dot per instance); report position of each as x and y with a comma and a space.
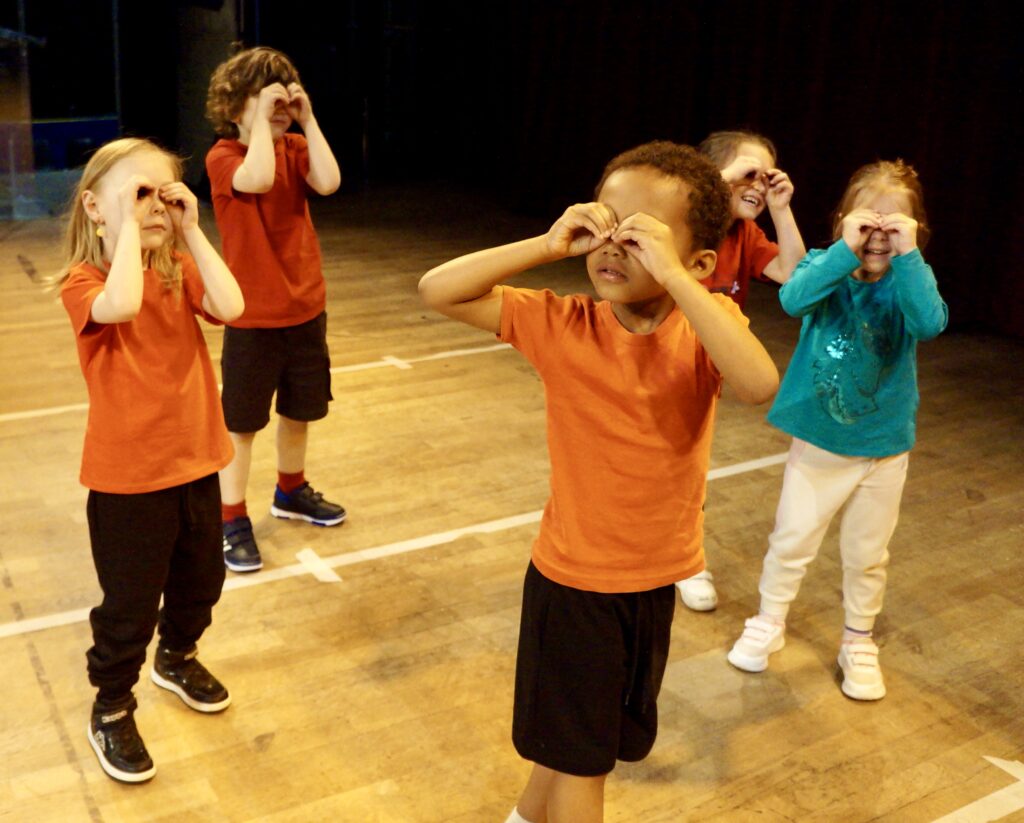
259, 178
631, 384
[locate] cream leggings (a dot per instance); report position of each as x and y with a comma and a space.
815, 486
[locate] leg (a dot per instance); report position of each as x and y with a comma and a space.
867, 526
292, 436
815, 485
533, 803
573, 799
234, 478
133, 536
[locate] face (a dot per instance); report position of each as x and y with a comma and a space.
616, 275
748, 195
103, 204
279, 122
876, 253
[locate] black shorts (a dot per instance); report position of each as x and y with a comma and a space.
588, 673
292, 361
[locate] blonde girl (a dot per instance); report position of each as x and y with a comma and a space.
138, 271
849, 399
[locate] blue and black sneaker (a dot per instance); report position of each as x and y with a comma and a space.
305, 504
240, 551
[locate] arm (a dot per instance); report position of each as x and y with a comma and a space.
466, 288
917, 294
222, 298
324, 175
736, 352
256, 173
121, 298
819, 274
791, 244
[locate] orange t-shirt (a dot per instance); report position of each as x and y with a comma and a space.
743, 255
268, 239
155, 419
630, 419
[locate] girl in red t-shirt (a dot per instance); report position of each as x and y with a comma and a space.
155, 438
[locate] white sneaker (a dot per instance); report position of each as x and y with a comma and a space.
862, 678
698, 592
761, 637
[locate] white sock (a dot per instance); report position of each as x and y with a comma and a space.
515, 817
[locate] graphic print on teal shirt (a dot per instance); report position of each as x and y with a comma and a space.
847, 378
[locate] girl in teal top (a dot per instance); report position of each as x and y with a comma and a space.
849, 398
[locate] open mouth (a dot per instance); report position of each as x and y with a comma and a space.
611, 275
751, 200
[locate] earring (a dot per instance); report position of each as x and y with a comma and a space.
100, 231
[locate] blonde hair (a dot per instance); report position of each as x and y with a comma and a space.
722, 146
81, 243
240, 77
885, 175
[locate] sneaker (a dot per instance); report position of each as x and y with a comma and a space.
240, 551
305, 504
761, 637
698, 592
182, 674
862, 678
115, 739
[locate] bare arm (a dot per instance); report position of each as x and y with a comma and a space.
791, 244
737, 354
256, 173
324, 175
465, 288
222, 298
121, 298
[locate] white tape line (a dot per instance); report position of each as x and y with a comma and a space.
394, 361
348, 558
320, 570
994, 806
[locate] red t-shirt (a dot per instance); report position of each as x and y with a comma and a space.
155, 418
268, 239
629, 419
744, 253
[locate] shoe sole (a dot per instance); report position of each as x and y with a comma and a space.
253, 567
287, 515
855, 692
205, 708
755, 665
111, 770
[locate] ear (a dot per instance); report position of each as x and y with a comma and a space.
702, 263
91, 206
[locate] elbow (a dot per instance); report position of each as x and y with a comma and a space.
234, 311
428, 292
122, 312
759, 391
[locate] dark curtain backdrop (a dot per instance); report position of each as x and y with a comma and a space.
529, 100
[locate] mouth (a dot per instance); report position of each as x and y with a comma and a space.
751, 200
610, 275
877, 251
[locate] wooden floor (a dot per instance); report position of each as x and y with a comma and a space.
387, 696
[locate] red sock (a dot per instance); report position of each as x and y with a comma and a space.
229, 511
290, 482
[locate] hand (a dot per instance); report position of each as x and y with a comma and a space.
857, 227
299, 106
902, 232
182, 206
651, 243
780, 189
581, 229
269, 99
744, 169
135, 198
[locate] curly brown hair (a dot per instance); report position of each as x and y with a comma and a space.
885, 175
708, 215
721, 146
240, 77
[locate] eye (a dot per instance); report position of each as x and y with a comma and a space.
143, 193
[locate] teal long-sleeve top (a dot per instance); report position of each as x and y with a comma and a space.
851, 387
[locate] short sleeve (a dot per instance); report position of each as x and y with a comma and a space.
759, 251
222, 161
83, 286
299, 149
194, 290
531, 320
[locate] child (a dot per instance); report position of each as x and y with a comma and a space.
155, 438
631, 385
747, 161
849, 399
259, 176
